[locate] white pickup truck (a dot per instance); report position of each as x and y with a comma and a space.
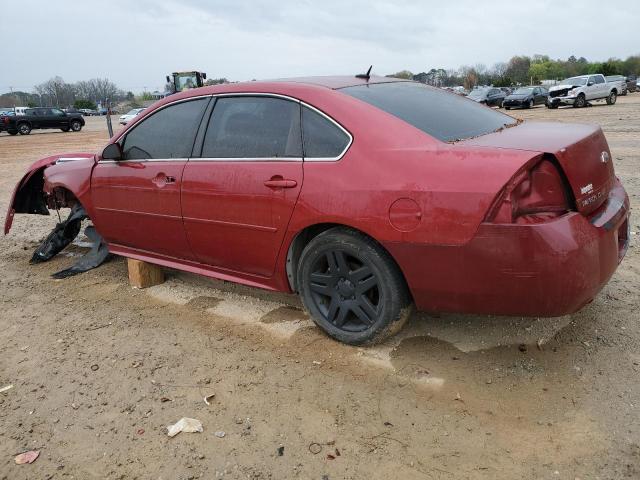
579, 91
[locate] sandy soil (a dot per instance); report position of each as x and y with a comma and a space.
99, 369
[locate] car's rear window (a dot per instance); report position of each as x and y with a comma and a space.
441, 114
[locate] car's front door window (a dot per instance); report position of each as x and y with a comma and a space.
167, 133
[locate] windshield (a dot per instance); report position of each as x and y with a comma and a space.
185, 82
441, 114
523, 91
478, 92
575, 81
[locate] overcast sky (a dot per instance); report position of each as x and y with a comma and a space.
136, 43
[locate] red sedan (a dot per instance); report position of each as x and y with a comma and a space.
365, 195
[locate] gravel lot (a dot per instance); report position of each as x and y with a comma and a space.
99, 369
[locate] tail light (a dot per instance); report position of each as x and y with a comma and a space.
534, 195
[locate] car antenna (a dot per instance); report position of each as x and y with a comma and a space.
367, 75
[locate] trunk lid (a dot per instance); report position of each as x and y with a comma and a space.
581, 150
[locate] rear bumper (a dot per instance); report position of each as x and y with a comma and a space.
548, 269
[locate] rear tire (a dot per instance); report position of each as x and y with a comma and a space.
507, 108
580, 102
65, 129
611, 99
352, 288
24, 128
76, 126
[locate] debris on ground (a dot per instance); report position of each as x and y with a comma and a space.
315, 448
209, 397
220, 434
280, 451
92, 259
27, 457
187, 425
6, 388
61, 236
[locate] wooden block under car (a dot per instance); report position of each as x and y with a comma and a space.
143, 274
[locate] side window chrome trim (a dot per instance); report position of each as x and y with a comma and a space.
146, 160
246, 159
346, 148
245, 94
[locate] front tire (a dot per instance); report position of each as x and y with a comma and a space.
530, 104
352, 288
24, 129
76, 126
580, 102
611, 99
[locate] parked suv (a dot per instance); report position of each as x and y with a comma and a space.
578, 91
39, 118
490, 96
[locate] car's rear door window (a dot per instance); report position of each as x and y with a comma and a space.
322, 138
247, 127
441, 114
167, 133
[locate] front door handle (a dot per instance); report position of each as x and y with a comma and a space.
279, 182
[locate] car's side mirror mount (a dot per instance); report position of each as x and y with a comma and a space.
589, 84
113, 151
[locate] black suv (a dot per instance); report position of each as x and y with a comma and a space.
42, 117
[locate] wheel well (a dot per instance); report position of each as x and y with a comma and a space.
302, 239
614, 90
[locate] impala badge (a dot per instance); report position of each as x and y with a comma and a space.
586, 189
604, 157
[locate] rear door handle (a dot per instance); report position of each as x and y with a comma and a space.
280, 183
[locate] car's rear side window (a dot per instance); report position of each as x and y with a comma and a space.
167, 133
322, 138
441, 114
253, 127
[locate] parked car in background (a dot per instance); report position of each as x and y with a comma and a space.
364, 195
507, 90
619, 80
632, 83
87, 112
579, 91
130, 115
526, 97
41, 118
489, 96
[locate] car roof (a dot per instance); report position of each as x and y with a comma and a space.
339, 81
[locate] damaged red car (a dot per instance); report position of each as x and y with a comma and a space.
364, 195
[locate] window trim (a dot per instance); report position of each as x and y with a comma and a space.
326, 159
239, 159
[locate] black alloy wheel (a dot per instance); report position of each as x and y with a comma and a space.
24, 129
530, 103
580, 102
611, 99
352, 288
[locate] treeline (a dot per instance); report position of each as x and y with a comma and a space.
55, 92
522, 69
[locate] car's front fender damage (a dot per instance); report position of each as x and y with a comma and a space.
38, 193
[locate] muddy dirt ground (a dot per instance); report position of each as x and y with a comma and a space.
100, 369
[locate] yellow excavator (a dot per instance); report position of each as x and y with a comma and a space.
180, 81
